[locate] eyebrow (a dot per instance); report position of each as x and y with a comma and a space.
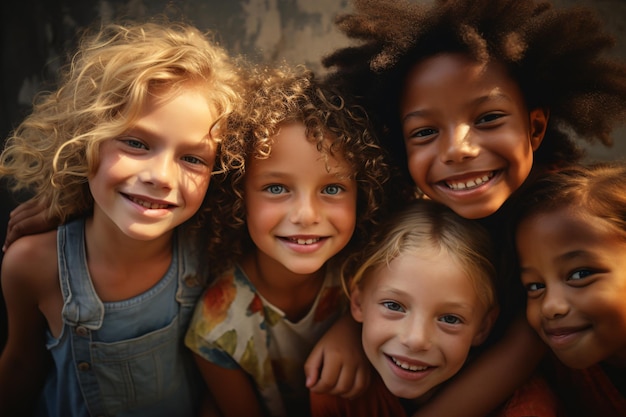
494, 95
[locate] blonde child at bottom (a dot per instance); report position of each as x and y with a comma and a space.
424, 293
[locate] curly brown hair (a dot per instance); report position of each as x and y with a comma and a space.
276, 97
557, 57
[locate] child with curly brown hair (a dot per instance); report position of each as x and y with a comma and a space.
305, 185
473, 99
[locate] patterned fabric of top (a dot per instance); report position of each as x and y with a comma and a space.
235, 327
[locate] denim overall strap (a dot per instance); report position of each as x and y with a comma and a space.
83, 311
81, 304
190, 273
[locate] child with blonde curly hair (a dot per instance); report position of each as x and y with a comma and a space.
309, 185
121, 153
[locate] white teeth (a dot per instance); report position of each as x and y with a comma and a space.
147, 204
407, 366
305, 241
469, 184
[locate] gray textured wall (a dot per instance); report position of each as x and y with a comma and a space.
37, 34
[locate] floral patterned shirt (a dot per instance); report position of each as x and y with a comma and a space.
233, 326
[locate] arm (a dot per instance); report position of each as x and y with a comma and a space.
26, 219
337, 364
23, 363
234, 393
491, 378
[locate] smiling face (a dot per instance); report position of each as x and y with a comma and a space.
574, 269
300, 208
155, 176
420, 314
468, 134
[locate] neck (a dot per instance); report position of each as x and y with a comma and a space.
292, 293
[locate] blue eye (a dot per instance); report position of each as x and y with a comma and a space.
134, 143
449, 319
193, 160
275, 189
393, 306
332, 189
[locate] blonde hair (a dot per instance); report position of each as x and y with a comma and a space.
427, 224
102, 91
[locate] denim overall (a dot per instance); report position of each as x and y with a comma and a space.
123, 358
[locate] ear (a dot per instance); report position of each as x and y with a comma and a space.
355, 304
485, 327
538, 125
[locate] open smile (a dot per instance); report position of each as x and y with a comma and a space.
406, 366
300, 241
470, 183
147, 204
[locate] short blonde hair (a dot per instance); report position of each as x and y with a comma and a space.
427, 224
55, 149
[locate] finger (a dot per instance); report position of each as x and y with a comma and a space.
312, 367
344, 382
36, 222
360, 384
25, 210
327, 379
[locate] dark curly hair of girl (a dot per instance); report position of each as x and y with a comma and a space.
276, 97
557, 56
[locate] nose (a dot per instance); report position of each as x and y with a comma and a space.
305, 211
554, 304
458, 145
159, 171
417, 334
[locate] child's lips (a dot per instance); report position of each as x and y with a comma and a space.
560, 337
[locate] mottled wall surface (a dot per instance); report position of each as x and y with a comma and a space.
36, 35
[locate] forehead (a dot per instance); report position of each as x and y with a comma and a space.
565, 226
461, 72
293, 143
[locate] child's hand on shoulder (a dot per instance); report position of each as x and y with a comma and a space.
337, 364
27, 219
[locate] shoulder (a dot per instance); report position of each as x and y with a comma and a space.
31, 259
